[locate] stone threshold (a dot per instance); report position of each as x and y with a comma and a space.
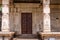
24, 39
27, 36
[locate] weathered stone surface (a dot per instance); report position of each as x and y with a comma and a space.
37, 16
55, 19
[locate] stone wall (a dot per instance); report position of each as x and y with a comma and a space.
55, 19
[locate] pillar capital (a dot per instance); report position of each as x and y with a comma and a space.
5, 2
46, 2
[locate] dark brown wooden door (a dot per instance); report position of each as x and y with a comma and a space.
26, 23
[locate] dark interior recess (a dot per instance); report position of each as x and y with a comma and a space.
26, 23
57, 18
26, 1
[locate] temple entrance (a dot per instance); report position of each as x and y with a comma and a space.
26, 23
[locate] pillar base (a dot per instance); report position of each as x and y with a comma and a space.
46, 35
6, 35
5, 30
47, 31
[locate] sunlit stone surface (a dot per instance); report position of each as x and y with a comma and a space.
46, 19
5, 16
46, 23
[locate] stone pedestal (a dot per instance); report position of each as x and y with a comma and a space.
49, 35
6, 35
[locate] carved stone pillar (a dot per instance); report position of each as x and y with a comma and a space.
46, 19
5, 15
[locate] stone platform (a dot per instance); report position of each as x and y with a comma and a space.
49, 35
6, 35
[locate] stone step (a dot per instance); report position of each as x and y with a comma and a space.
27, 36
24, 39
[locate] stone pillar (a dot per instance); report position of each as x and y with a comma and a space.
46, 19
5, 15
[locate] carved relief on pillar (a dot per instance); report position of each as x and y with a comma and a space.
46, 11
46, 2
46, 7
46, 22
5, 15
5, 8
5, 22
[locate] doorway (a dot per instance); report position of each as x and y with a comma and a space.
26, 23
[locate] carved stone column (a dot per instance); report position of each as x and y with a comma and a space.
5, 34
5, 15
46, 19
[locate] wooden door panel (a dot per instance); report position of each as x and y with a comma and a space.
23, 23
29, 23
26, 23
